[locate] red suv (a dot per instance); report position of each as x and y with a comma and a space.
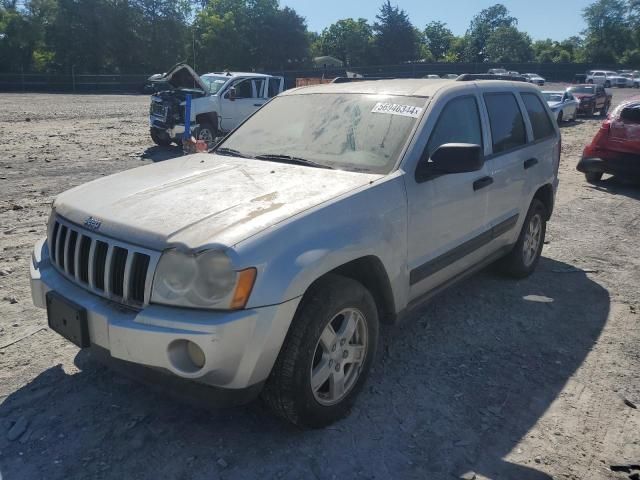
616, 147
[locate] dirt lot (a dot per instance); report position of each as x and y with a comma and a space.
511, 380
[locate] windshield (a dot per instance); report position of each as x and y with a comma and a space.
552, 97
356, 132
585, 89
214, 83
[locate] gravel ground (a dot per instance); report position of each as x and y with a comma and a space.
534, 379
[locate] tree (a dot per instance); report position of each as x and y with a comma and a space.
395, 38
508, 44
481, 28
438, 39
608, 34
349, 40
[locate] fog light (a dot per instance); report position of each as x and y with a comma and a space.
195, 354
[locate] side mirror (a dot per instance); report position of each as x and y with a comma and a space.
451, 158
231, 94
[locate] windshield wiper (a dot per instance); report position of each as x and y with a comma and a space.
292, 160
230, 152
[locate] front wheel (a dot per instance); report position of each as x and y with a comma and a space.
327, 354
523, 259
160, 137
593, 177
208, 133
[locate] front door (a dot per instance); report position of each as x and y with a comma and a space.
447, 214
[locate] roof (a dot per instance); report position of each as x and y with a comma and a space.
402, 87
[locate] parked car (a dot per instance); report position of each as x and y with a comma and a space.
616, 147
629, 81
220, 102
563, 105
605, 78
534, 78
514, 73
268, 265
497, 71
592, 99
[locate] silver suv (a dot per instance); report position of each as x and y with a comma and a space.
266, 267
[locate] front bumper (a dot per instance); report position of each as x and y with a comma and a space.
240, 347
622, 164
174, 131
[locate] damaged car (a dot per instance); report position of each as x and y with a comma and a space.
219, 102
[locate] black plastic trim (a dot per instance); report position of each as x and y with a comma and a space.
433, 266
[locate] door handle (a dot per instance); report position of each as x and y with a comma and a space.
481, 183
532, 162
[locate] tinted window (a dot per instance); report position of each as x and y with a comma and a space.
507, 125
459, 122
243, 89
540, 121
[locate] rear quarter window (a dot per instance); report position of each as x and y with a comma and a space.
540, 121
505, 119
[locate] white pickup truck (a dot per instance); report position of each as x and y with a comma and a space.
220, 102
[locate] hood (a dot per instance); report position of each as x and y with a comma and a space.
181, 76
202, 200
582, 96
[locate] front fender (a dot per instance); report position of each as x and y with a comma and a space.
292, 255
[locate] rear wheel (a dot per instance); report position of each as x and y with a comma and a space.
327, 354
523, 259
208, 133
160, 137
593, 177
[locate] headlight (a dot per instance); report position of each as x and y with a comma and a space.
204, 280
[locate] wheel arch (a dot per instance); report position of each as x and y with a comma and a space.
545, 195
371, 273
208, 117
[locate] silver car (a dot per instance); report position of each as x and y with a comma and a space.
563, 105
267, 266
534, 78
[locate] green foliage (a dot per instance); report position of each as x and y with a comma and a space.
438, 39
395, 38
148, 36
508, 44
349, 40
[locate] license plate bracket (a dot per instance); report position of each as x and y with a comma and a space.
68, 319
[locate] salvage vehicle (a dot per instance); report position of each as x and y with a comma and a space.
592, 99
220, 102
616, 147
534, 78
266, 266
563, 105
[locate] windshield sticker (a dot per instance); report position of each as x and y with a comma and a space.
395, 109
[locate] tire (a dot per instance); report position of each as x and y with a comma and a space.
208, 133
593, 177
592, 111
575, 116
288, 391
160, 137
607, 84
590, 82
521, 262
604, 110
560, 117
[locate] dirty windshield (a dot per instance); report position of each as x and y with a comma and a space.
355, 132
214, 83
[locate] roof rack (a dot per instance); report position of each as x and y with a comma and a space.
470, 77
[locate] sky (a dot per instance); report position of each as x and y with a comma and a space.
541, 19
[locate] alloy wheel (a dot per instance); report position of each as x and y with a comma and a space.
532, 239
338, 357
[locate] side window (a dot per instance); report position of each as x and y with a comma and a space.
540, 121
259, 83
459, 122
274, 87
243, 89
507, 125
